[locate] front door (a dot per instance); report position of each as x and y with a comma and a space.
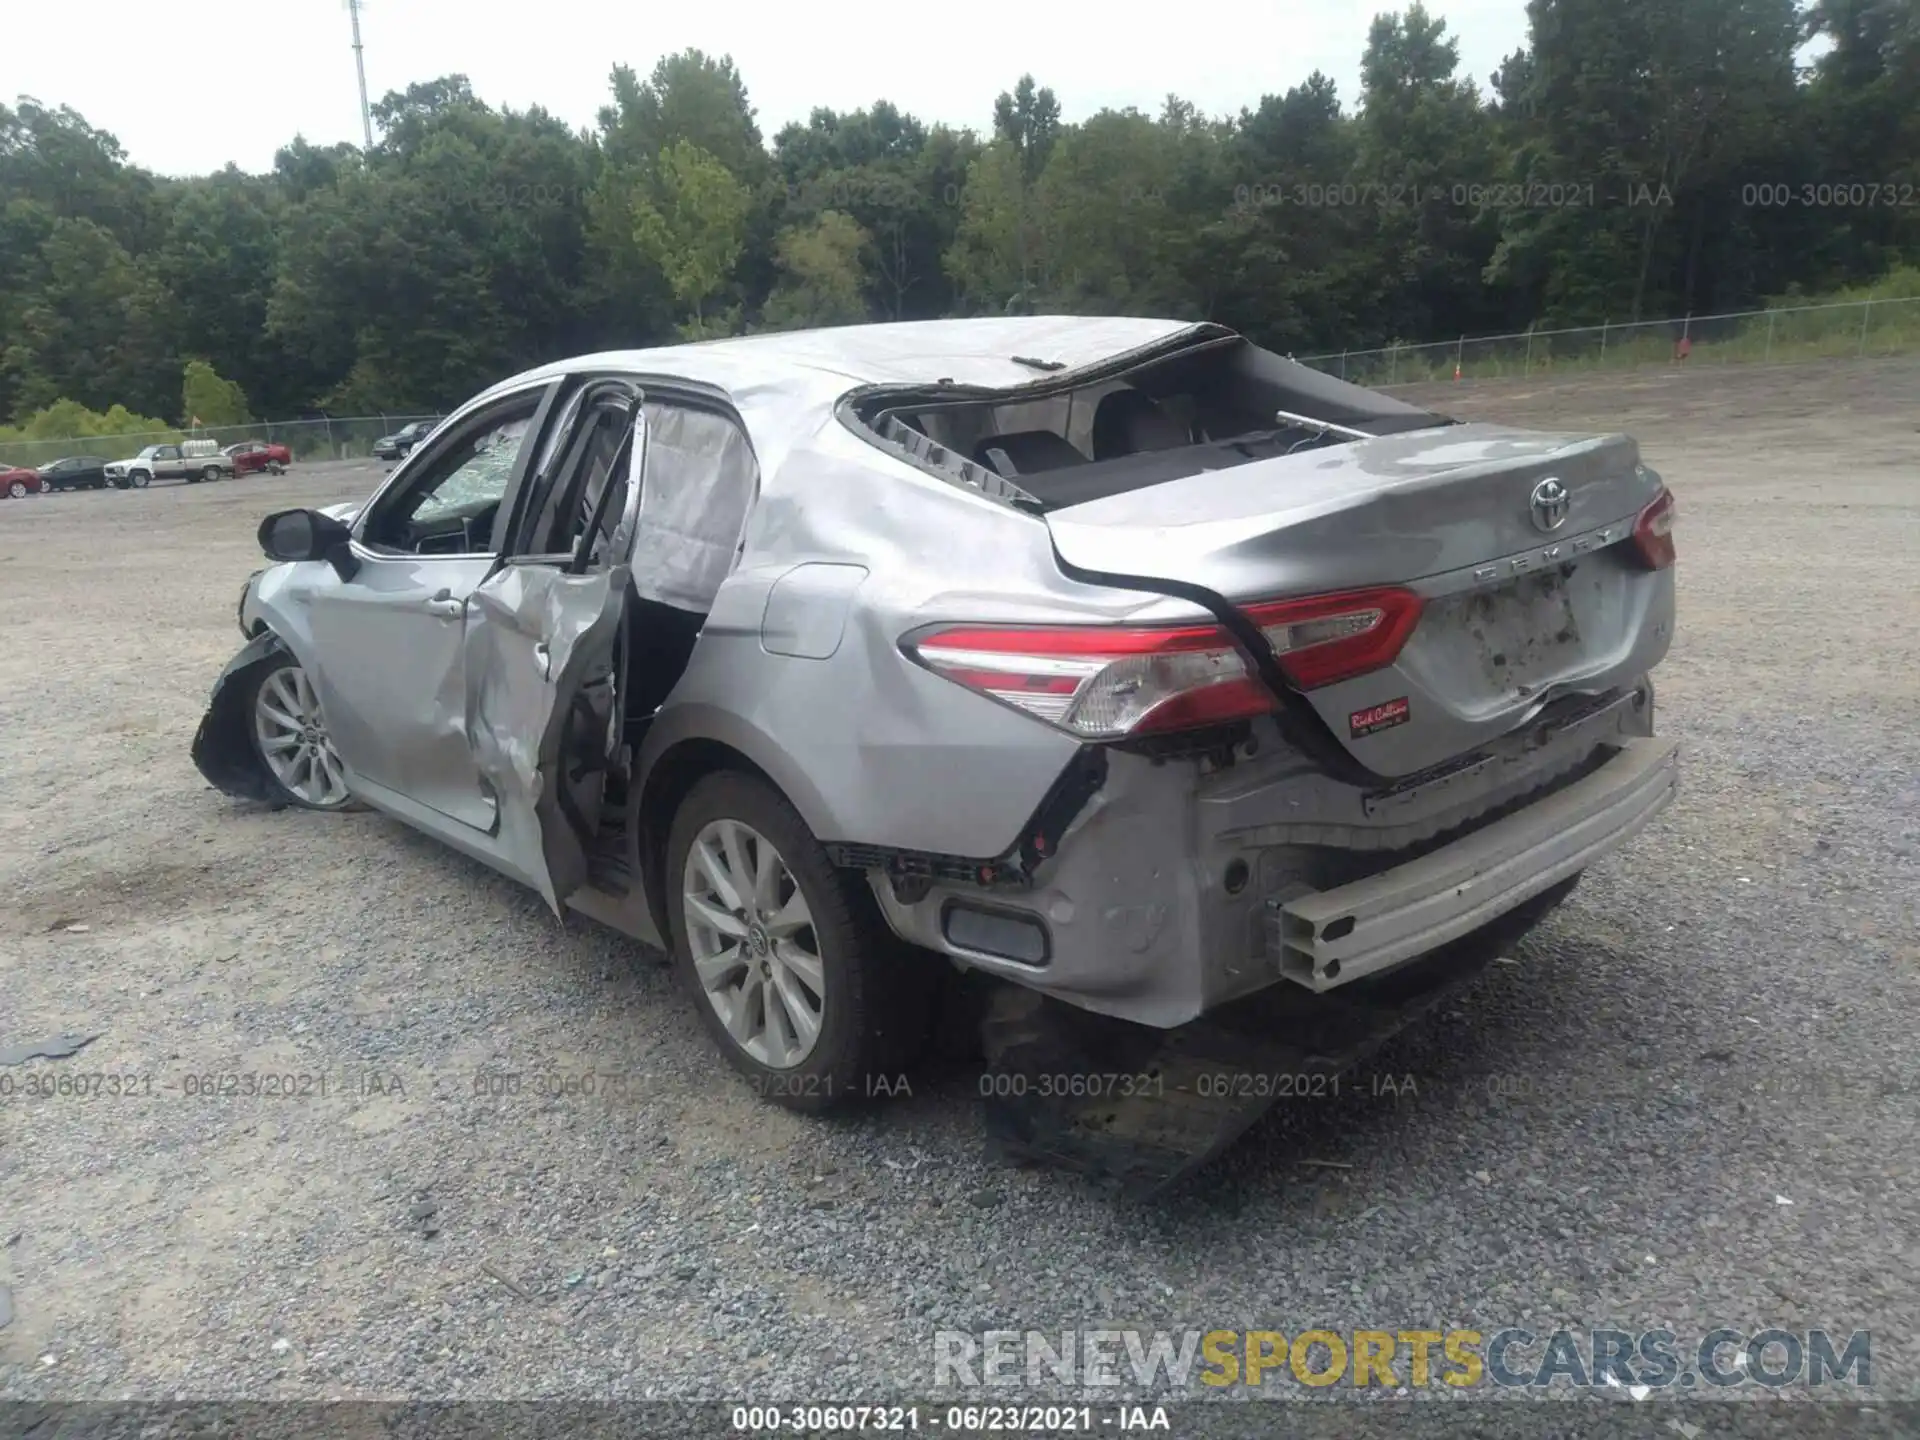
542, 708
394, 687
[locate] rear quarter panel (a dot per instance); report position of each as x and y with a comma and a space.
871, 747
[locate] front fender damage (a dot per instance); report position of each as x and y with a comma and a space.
223, 748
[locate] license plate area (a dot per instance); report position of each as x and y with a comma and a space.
1515, 637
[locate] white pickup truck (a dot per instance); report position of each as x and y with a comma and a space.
191, 460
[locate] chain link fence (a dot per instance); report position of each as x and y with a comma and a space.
346, 438
1801, 332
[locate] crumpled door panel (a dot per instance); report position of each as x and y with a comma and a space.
535, 636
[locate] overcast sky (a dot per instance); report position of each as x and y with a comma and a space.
189, 85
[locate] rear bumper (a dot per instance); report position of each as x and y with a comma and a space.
1182, 888
1328, 938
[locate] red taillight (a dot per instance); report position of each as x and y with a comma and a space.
1104, 682
1653, 532
1325, 638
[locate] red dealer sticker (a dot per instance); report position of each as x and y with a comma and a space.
1375, 718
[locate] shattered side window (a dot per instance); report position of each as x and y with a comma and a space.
482, 476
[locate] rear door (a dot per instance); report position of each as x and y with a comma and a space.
541, 632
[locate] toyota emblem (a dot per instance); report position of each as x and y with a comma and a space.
1550, 504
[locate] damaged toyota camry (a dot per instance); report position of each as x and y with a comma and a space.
1122, 660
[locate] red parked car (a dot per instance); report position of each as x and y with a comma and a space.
17, 484
253, 455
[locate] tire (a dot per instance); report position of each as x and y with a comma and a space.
874, 993
282, 681
140, 479
212, 472
17, 490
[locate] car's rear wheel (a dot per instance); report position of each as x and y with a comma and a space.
291, 738
790, 968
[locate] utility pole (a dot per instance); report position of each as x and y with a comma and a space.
360, 64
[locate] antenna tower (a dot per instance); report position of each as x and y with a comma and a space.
360, 65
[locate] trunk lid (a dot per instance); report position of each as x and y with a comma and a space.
1516, 614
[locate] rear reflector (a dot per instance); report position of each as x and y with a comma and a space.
1653, 532
1106, 682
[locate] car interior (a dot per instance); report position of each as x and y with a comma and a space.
449, 507
1209, 407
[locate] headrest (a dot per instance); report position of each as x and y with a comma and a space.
1026, 452
1128, 422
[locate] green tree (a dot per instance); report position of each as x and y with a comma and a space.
1425, 146
1297, 275
1663, 109
694, 232
454, 255
691, 97
218, 259
87, 322
70, 420
822, 280
1026, 124
996, 251
206, 399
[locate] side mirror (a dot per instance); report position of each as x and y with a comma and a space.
308, 535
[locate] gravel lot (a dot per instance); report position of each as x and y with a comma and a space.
1720, 1022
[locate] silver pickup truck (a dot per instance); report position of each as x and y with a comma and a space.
191, 460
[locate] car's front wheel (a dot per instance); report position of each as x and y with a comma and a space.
792, 971
212, 472
139, 479
290, 736
17, 489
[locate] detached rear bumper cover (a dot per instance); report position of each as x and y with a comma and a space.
1330, 937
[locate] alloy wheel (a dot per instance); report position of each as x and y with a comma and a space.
294, 742
753, 944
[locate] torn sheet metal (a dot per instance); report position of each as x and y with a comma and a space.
534, 636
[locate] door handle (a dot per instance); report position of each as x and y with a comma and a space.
445, 606
543, 657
